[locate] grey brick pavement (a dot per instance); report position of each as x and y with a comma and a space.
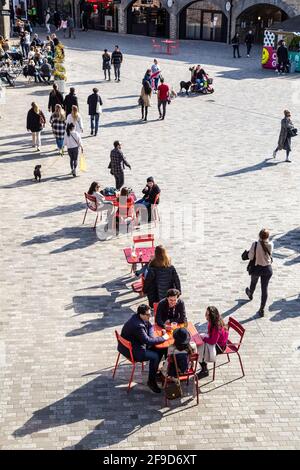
63, 292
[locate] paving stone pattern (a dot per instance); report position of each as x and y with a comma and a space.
64, 292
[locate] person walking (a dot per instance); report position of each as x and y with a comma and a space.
95, 102
106, 64
282, 57
35, 123
236, 45
116, 60
261, 252
25, 43
285, 136
58, 124
75, 119
55, 97
47, 21
145, 99
70, 100
73, 143
71, 26
163, 97
117, 164
249, 40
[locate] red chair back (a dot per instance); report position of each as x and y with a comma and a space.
127, 344
91, 202
192, 366
155, 305
149, 237
238, 328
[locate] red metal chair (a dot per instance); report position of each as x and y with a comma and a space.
175, 47
92, 205
155, 45
155, 305
138, 286
125, 213
149, 237
154, 210
233, 348
184, 377
127, 345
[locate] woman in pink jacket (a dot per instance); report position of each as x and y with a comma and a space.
214, 341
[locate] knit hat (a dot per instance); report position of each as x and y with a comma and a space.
181, 336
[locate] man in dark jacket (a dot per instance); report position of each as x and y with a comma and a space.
282, 57
249, 39
117, 164
116, 60
70, 100
139, 331
150, 191
45, 71
55, 97
171, 309
95, 102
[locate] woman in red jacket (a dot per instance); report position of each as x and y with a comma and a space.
214, 341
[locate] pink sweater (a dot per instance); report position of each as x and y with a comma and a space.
217, 336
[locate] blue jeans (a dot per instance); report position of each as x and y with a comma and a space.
156, 80
95, 118
146, 204
60, 143
153, 356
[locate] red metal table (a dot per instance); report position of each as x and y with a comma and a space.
143, 255
191, 328
168, 43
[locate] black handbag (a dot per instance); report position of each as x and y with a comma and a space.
245, 255
292, 132
173, 388
251, 264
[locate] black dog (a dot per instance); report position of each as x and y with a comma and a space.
37, 172
185, 86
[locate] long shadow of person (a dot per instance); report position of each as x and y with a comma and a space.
285, 308
248, 169
102, 400
291, 241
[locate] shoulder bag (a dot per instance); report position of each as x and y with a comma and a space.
251, 264
292, 132
173, 388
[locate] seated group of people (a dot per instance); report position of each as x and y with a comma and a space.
140, 332
127, 207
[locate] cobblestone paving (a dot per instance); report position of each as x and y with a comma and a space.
63, 292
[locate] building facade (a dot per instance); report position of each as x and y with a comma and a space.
211, 20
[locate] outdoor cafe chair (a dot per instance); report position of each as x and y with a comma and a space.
127, 345
92, 205
184, 377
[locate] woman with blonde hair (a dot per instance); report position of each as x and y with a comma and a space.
58, 124
35, 123
261, 253
161, 276
75, 119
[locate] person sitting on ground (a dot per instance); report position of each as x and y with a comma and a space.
171, 309
161, 276
150, 191
102, 204
214, 341
45, 71
139, 331
182, 348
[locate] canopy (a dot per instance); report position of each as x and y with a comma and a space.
292, 26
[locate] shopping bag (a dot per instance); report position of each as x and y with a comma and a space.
82, 163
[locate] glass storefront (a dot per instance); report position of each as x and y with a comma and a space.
103, 14
201, 20
258, 18
147, 18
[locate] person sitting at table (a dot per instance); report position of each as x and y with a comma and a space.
214, 341
32, 71
150, 191
171, 309
102, 204
139, 331
182, 348
125, 210
161, 276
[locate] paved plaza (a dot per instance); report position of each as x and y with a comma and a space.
64, 292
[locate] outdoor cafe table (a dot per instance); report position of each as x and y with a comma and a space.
191, 328
143, 255
168, 43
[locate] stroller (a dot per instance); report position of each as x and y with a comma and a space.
203, 86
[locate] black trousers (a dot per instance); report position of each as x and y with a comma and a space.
236, 49
144, 111
119, 180
265, 274
107, 71
117, 69
164, 105
249, 47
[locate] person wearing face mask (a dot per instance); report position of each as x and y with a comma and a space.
171, 309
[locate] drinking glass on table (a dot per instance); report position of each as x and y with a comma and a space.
173, 325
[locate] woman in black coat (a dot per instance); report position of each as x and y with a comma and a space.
106, 64
161, 276
35, 123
